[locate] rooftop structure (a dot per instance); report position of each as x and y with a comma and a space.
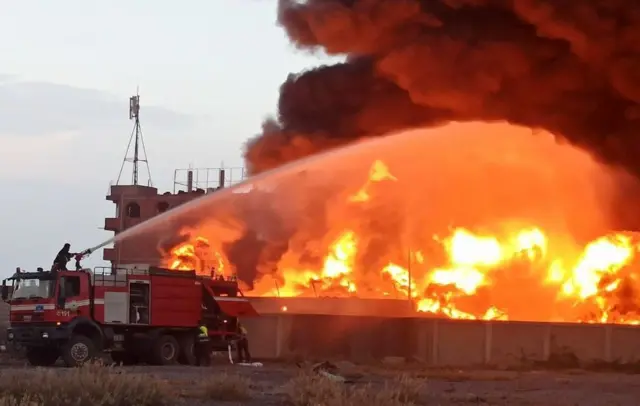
138, 202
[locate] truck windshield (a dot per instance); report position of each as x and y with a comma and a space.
33, 289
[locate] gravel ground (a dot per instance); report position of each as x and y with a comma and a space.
446, 387
441, 387
536, 388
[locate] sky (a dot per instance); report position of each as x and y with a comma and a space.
208, 73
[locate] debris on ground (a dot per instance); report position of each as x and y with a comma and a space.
331, 371
244, 364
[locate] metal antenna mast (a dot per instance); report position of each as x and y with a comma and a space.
136, 133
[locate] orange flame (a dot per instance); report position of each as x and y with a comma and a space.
471, 262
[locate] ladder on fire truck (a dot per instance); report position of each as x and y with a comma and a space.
119, 276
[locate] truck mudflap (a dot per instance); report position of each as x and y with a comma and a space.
38, 335
234, 306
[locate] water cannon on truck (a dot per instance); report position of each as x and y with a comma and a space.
136, 314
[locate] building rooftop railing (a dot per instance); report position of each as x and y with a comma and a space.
207, 178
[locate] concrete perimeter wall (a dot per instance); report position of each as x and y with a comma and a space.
440, 342
364, 331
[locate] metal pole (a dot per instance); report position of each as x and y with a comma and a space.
135, 151
409, 272
175, 180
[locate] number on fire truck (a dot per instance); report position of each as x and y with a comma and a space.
63, 313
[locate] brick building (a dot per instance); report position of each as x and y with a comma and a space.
136, 204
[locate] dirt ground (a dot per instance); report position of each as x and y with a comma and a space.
449, 387
531, 388
281, 384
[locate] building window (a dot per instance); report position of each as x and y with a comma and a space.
162, 207
133, 210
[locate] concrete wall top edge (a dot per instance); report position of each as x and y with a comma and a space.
391, 308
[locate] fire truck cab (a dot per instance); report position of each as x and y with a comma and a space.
148, 315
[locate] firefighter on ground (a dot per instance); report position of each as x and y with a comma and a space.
64, 256
243, 345
203, 346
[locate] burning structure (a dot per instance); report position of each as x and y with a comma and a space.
567, 69
463, 274
527, 234
504, 256
477, 226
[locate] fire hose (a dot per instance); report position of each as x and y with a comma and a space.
91, 250
234, 341
85, 253
230, 342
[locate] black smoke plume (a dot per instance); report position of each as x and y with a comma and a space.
570, 67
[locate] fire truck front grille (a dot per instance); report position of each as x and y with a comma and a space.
27, 333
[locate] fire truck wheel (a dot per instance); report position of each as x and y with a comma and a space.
166, 350
78, 350
187, 355
42, 357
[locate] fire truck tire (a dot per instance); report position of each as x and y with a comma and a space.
166, 350
78, 350
187, 353
42, 357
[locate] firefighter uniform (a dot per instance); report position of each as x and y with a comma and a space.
203, 347
64, 256
243, 345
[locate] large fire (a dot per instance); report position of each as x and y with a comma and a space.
461, 273
468, 221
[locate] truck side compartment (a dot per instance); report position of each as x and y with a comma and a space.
175, 302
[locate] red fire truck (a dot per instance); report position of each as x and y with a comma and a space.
137, 315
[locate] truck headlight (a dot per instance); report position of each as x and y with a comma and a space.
45, 335
10, 336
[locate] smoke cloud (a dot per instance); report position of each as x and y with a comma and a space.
568, 68
571, 68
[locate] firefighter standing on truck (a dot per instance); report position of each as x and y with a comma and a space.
203, 346
64, 256
243, 345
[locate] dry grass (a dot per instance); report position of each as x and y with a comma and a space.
315, 390
227, 387
453, 375
87, 386
440, 374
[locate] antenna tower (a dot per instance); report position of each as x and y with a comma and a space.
136, 135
